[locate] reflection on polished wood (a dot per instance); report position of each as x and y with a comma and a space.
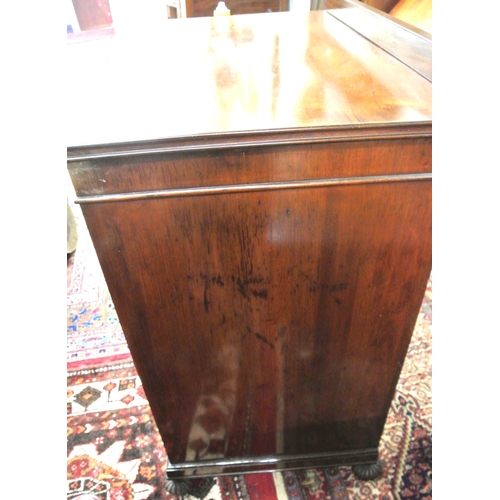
383, 5
415, 12
266, 237
242, 73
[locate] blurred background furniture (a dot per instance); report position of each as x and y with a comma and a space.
203, 8
72, 231
100, 14
417, 13
93, 14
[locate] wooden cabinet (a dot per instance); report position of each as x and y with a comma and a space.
265, 236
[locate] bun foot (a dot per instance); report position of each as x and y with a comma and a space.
178, 486
197, 487
366, 472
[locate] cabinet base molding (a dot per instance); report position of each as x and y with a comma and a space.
276, 463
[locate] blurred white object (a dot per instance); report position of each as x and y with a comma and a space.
138, 16
72, 20
222, 10
72, 231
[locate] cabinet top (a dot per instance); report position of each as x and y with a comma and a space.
206, 82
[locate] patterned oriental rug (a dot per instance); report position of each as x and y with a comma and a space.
115, 451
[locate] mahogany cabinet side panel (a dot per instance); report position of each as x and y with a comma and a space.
268, 323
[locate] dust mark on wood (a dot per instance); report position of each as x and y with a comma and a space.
214, 279
206, 302
263, 339
245, 289
259, 293
328, 288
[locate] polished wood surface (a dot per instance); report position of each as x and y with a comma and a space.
415, 12
268, 267
406, 43
242, 73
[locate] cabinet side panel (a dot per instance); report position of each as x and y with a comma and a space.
272, 322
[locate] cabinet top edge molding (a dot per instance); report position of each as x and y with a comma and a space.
252, 139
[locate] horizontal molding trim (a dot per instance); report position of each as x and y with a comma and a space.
243, 140
273, 463
244, 188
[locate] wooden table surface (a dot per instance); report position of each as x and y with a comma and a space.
242, 73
